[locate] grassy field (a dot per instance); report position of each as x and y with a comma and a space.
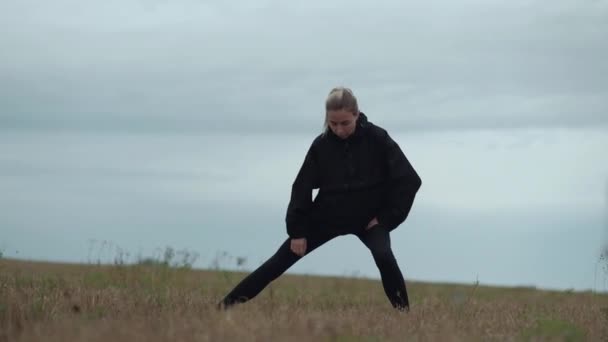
58, 302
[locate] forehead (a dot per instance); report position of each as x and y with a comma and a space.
339, 115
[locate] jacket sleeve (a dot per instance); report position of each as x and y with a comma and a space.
300, 205
403, 184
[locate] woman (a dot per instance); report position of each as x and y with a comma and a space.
366, 188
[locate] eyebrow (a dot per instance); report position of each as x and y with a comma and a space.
345, 121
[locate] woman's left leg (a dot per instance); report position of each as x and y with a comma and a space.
378, 240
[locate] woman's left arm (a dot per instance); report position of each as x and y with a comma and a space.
403, 182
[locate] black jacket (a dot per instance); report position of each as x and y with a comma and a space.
359, 178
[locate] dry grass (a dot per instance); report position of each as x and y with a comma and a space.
53, 302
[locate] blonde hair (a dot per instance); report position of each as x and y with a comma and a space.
340, 98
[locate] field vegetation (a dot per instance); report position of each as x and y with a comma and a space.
159, 301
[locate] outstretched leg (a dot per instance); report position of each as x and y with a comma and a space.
276, 265
378, 240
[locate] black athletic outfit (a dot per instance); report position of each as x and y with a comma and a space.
361, 177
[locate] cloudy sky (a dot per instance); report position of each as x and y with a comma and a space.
154, 123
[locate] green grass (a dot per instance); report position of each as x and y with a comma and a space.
554, 329
60, 302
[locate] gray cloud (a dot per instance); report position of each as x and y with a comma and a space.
189, 66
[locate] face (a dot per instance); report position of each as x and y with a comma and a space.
342, 122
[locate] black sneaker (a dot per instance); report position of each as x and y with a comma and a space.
403, 308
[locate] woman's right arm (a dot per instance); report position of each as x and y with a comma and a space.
300, 204
298, 246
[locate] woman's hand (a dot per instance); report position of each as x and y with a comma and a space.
372, 223
298, 246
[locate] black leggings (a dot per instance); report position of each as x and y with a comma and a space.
377, 239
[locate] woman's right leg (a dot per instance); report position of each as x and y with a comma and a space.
276, 265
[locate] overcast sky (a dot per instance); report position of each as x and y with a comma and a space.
183, 123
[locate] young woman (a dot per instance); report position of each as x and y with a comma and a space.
366, 188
